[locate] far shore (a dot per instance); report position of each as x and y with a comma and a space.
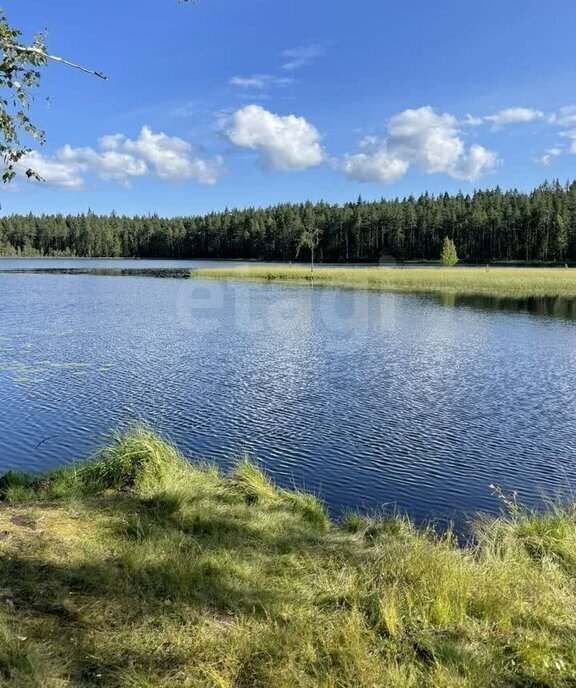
496, 281
514, 282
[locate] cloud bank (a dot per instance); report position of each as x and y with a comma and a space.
119, 159
421, 139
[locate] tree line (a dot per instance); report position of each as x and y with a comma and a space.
485, 226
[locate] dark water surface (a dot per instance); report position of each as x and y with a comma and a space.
365, 398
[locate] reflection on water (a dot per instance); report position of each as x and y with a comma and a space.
553, 306
163, 272
366, 398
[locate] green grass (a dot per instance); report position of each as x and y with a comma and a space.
139, 569
515, 282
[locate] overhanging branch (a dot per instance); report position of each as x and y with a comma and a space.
54, 58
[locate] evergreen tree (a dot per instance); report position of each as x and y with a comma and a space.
561, 235
449, 256
486, 226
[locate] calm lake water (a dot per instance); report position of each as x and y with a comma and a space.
367, 399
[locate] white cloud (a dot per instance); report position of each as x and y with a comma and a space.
423, 138
564, 117
283, 142
111, 141
549, 155
426, 138
472, 121
108, 165
260, 81
475, 163
296, 58
379, 166
53, 170
171, 157
514, 115
119, 159
571, 134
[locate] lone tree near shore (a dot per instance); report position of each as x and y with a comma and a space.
310, 238
449, 257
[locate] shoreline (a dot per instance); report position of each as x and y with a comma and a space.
466, 281
138, 568
512, 282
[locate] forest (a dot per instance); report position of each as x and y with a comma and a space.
486, 226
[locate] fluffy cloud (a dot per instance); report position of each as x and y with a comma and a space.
171, 157
119, 158
53, 170
423, 138
374, 164
283, 142
259, 81
514, 115
108, 165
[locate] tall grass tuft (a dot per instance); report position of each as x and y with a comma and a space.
139, 460
162, 573
250, 483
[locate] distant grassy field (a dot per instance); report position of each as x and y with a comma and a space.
140, 570
520, 282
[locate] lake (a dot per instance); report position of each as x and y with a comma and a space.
371, 400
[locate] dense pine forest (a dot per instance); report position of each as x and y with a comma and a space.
486, 226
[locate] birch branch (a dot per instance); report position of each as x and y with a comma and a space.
54, 58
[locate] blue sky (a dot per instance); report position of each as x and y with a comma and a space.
255, 102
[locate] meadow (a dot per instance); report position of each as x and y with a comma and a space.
140, 569
494, 281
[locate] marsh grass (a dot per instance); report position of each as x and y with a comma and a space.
514, 282
139, 569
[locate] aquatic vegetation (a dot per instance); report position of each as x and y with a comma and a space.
139, 568
513, 282
65, 365
28, 372
106, 368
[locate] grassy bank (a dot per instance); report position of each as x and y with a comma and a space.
140, 570
514, 282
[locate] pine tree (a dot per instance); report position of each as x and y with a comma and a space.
561, 235
449, 257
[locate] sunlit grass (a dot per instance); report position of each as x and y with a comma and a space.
520, 282
139, 569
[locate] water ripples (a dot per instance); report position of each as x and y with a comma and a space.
367, 399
